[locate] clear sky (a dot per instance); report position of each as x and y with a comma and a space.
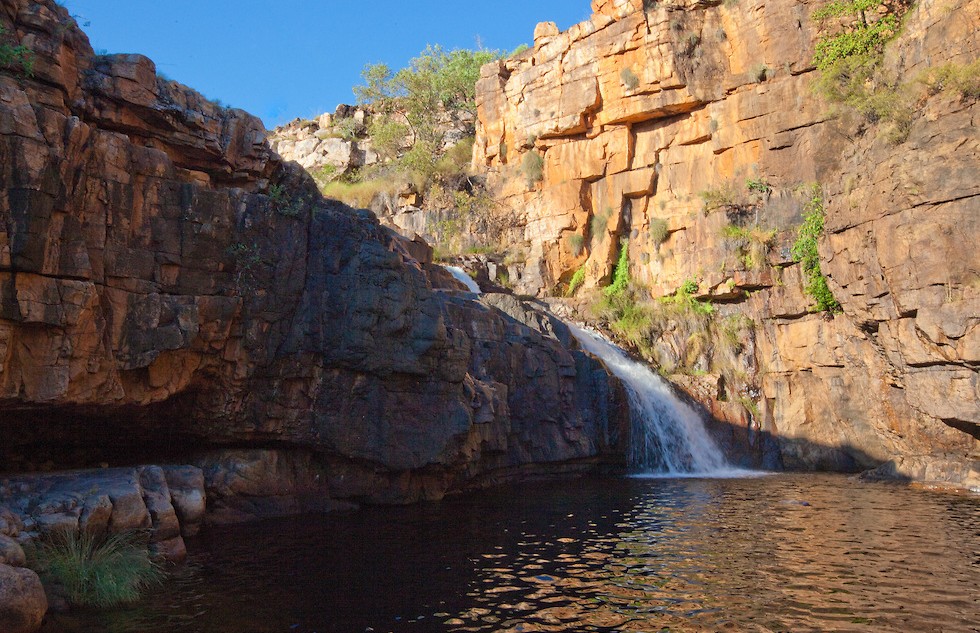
282, 59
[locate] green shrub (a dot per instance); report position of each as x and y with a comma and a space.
758, 185
848, 56
16, 56
347, 128
629, 78
577, 280
961, 78
576, 244
532, 166
658, 231
720, 197
98, 570
867, 26
277, 194
387, 136
805, 252
621, 273
684, 297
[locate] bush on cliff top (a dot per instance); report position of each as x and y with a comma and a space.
436, 81
98, 570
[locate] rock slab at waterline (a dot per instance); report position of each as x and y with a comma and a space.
160, 300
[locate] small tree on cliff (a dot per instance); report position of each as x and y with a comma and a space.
413, 101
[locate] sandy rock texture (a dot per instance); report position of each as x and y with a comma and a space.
651, 120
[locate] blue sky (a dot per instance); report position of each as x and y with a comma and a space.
284, 59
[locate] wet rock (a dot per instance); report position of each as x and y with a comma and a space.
22, 600
186, 484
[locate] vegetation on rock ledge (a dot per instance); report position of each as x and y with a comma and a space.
805, 252
15, 56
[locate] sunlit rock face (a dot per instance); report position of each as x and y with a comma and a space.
169, 287
652, 119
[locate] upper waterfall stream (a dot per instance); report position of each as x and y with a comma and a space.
465, 279
668, 436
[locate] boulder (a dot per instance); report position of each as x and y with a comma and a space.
11, 553
22, 600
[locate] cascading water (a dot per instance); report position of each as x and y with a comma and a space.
461, 276
668, 436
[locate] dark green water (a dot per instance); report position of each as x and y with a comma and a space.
778, 553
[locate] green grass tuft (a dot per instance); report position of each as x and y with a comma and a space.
577, 280
98, 570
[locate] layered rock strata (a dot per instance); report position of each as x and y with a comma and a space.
171, 290
676, 129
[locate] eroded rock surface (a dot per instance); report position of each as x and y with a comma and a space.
651, 119
159, 300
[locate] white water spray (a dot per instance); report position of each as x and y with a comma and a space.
461, 275
668, 436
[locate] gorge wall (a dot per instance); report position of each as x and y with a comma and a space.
171, 291
683, 131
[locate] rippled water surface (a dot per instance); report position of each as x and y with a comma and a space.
779, 553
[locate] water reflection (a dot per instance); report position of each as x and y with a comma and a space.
778, 555
786, 553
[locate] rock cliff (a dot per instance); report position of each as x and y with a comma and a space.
171, 291
690, 133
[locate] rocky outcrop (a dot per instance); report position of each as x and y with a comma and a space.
172, 291
650, 122
167, 502
330, 145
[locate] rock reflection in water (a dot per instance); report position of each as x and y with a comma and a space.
780, 553
753, 556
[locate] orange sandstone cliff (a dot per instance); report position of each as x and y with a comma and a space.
682, 130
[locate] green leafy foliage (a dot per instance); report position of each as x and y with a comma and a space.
576, 282
848, 55
685, 297
758, 185
98, 570
15, 56
721, 197
621, 273
409, 105
806, 253
865, 26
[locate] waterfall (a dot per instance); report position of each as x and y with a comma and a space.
461, 275
668, 436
